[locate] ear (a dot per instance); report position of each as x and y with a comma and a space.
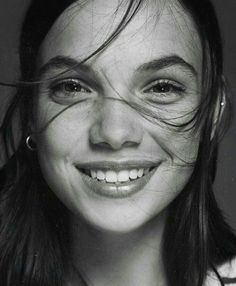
219, 109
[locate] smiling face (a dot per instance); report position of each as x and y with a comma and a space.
111, 157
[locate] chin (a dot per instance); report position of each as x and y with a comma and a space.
117, 226
118, 217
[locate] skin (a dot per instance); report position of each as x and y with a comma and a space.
104, 127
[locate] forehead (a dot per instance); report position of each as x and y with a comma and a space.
160, 28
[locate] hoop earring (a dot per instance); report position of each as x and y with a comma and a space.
28, 143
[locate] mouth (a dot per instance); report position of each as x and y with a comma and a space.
116, 177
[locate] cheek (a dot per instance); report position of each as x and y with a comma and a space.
173, 174
60, 129
174, 131
56, 142
56, 145
55, 154
184, 148
180, 147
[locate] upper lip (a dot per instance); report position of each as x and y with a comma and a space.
118, 165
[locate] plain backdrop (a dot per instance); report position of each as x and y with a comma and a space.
11, 14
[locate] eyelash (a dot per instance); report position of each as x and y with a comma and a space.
69, 88
162, 91
165, 88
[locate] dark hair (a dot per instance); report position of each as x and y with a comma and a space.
196, 237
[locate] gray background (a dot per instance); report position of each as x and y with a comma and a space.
11, 14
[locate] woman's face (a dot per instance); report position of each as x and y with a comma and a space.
111, 157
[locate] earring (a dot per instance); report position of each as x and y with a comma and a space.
29, 144
222, 103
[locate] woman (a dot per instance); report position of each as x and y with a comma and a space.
121, 108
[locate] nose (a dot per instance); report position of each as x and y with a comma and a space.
116, 126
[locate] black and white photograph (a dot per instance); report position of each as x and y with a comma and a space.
117, 143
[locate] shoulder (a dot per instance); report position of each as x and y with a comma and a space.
227, 272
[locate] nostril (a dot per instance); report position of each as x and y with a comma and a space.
104, 145
114, 141
113, 145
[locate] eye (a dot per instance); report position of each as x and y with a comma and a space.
69, 88
165, 86
166, 91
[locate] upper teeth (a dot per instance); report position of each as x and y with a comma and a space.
111, 176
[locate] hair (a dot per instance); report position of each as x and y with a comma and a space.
33, 238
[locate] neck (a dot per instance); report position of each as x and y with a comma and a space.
104, 258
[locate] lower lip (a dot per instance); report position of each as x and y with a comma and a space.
118, 190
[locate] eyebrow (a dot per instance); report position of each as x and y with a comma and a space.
165, 62
65, 61
156, 64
